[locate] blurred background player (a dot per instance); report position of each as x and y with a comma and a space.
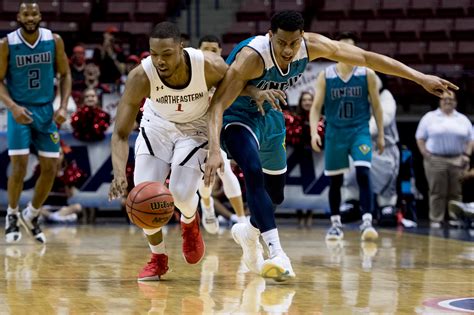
230, 182
385, 166
345, 91
444, 138
172, 137
30, 57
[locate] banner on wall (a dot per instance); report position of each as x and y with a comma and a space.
306, 187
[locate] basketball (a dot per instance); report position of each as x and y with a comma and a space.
150, 205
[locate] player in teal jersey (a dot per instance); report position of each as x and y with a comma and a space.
271, 64
345, 91
30, 57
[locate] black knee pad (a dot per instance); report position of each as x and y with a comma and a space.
275, 186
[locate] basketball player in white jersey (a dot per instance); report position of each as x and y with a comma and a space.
230, 183
173, 134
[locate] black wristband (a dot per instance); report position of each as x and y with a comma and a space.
465, 154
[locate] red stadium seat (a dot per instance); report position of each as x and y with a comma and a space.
437, 29
150, 11
463, 28
377, 30
354, 26
137, 27
240, 31
77, 8
393, 8
335, 9
406, 29
423, 8
453, 8
450, 70
326, 28
385, 48
254, 10
63, 26
365, 8
282, 5
120, 10
411, 52
440, 51
465, 53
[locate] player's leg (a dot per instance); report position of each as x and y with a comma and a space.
152, 168
19, 139
243, 147
273, 158
186, 174
361, 152
232, 190
336, 164
45, 137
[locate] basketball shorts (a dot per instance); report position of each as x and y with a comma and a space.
42, 133
340, 143
269, 131
178, 144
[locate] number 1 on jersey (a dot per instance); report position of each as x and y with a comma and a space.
180, 108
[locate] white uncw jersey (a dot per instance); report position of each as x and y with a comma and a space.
178, 105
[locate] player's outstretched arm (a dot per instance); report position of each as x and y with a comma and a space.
315, 111
247, 66
65, 80
322, 47
376, 108
137, 88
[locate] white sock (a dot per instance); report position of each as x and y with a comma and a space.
336, 219
211, 205
187, 220
272, 240
241, 219
31, 212
367, 217
10, 210
158, 249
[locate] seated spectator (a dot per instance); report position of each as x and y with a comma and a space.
56, 208
78, 64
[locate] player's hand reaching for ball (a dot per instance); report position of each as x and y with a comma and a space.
22, 115
118, 187
60, 116
436, 85
214, 164
316, 142
274, 97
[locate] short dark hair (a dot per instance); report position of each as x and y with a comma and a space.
210, 39
166, 30
289, 21
348, 35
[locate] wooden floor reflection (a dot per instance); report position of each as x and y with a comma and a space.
92, 270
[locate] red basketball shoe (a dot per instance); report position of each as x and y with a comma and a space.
193, 244
155, 268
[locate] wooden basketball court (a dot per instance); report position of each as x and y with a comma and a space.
93, 269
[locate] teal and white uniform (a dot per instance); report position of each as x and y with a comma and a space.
347, 111
269, 130
30, 82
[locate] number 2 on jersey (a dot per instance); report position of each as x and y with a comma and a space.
33, 79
